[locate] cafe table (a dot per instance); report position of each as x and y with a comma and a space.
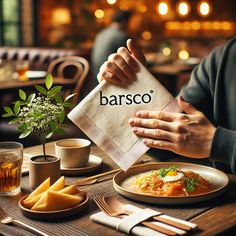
215, 217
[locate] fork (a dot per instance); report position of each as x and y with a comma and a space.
121, 208
111, 212
6, 219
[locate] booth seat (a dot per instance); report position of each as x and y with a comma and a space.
38, 58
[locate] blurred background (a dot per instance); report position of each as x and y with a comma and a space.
174, 35
74, 23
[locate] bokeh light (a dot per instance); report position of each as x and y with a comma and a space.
183, 54
183, 8
146, 35
166, 51
162, 8
204, 8
99, 13
111, 2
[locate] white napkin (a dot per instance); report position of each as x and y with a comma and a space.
103, 115
139, 230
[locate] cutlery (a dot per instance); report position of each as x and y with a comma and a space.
121, 208
84, 182
103, 176
111, 212
6, 219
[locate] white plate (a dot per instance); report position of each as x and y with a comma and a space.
216, 177
94, 164
36, 74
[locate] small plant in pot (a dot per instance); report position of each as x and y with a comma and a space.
41, 114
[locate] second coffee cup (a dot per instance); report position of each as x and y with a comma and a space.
74, 153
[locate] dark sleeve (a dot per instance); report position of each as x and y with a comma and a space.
223, 147
200, 92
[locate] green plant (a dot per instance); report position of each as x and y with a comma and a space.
41, 113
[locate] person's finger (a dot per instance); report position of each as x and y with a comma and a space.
160, 144
151, 123
121, 63
161, 115
136, 52
187, 107
128, 58
155, 134
108, 77
114, 70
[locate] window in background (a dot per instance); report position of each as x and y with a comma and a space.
17, 23
10, 23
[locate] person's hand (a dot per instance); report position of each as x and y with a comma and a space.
120, 67
189, 134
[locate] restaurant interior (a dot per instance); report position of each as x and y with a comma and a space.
174, 35
40, 38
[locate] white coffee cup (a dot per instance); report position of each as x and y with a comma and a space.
74, 153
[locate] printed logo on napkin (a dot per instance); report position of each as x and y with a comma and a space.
103, 115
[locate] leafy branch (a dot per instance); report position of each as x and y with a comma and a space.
41, 113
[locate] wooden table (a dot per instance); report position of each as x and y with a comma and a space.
214, 217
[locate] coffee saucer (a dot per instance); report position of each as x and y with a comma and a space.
94, 163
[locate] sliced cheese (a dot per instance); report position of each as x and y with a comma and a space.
71, 189
54, 201
40, 189
31, 201
58, 185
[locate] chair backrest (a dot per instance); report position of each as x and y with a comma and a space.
73, 68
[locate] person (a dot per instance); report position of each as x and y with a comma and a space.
207, 127
110, 39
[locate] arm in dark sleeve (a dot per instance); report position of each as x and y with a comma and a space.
200, 92
223, 147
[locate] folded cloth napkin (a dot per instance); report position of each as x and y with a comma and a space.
104, 113
125, 224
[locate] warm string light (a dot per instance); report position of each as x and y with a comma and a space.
204, 8
162, 8
183, 8
111, 2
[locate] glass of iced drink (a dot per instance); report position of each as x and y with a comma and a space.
11, 158
21, 68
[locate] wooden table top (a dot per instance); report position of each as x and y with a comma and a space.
213, 217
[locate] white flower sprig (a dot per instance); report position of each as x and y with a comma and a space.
42, 114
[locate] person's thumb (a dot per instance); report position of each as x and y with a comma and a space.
187, 107
135, 51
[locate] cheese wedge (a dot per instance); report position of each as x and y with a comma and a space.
71, 189
29, 202
54, 201
42, 199
40, 189
58, 185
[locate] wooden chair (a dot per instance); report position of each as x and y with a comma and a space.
73, 69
